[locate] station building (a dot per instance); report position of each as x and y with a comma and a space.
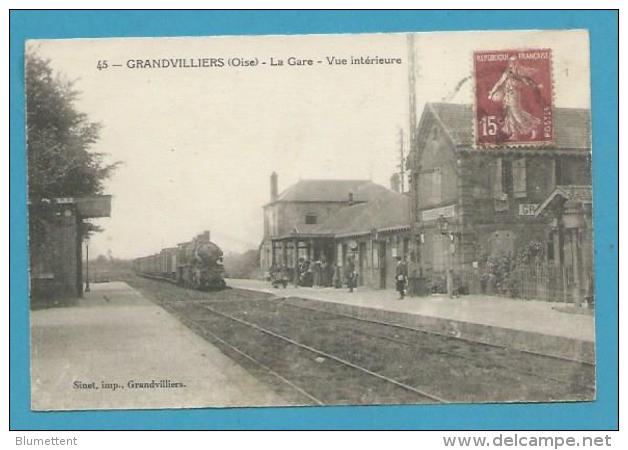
334, 220
55, 247
472, 206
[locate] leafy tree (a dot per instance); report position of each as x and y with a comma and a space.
59, 138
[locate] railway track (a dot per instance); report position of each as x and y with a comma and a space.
310, 352
277, 355
321, 357
363, 370
444, 335
574, 363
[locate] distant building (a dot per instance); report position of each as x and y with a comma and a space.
334, 220
471, 205
57, 232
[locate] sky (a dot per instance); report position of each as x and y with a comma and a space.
198, 145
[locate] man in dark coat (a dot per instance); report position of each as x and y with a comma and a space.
351, 275
325, 273
401, 277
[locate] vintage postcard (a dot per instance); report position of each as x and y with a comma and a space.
356, 219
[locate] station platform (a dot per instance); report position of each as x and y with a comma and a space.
552, 328
115, 336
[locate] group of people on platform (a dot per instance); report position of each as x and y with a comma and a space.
320, 273
317, 273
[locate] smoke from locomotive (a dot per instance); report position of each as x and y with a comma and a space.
196, 264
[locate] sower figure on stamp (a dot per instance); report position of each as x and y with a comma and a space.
507, 90
401, 277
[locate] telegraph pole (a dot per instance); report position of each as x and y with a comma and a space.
414, 274
402, 162
412, 88
87, 289
412, 150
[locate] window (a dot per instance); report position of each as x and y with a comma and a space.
431, 186
499, 182
558, 171
497, 178
519, 185
310, 219
572, 171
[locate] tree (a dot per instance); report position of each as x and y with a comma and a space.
59, 138
242, 265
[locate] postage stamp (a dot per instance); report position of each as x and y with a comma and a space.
513, 97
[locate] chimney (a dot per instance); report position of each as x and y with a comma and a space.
206, 235
395, 182
350, 198
273, 187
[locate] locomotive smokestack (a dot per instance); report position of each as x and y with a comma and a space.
274, 191
206, 235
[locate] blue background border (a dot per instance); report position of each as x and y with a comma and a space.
603, 28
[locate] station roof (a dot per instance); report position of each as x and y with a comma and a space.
389, 211
331, 191
566, 193
89, 207
375, 208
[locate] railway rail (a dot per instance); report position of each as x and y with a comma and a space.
325, 357
575, 363
444, 335
363, 370
275, 354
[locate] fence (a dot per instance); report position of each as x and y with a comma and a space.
545, 282
539, 281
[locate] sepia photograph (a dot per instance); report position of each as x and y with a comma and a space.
310, 220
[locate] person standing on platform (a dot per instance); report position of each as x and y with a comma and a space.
316, 273
351, 275
401, 277
324, 273
337, 276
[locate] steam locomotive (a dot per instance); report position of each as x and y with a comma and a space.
196, 264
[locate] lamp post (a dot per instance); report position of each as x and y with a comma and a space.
443, 225
87, 289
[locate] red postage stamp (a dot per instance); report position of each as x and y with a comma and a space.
513, 97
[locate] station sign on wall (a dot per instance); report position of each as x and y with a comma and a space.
433, 214
528, 209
